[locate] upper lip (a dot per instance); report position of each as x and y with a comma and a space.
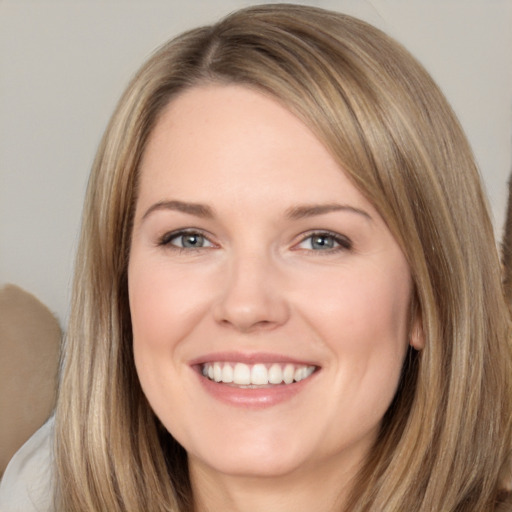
249, 358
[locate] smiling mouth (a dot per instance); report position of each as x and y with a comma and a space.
256, 375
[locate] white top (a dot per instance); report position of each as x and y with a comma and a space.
26, 484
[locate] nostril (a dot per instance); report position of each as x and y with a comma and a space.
247, 314
248, 325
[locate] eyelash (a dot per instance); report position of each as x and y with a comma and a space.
343, 243
167, 239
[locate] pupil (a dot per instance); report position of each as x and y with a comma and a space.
192, 240
322, 242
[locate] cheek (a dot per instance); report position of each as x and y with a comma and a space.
379, 310
165, 304
363, 318
360, 307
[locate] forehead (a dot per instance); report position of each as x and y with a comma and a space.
235, 141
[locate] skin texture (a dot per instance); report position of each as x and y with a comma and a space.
258, 287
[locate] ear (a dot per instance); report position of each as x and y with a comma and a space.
416, 335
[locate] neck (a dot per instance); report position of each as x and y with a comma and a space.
324, 490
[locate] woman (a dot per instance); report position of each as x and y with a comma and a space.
287, 292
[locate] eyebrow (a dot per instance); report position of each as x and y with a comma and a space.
199, 210
294, 213
303, 211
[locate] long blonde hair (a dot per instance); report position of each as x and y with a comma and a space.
448, 432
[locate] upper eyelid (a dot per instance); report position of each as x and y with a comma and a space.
170, 235
320, 232
341, 239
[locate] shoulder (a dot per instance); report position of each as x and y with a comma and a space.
26, 485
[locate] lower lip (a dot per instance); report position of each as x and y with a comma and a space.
254, 398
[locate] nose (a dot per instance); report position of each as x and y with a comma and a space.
252, 297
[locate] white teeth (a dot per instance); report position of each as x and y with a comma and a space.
289, 373
275, 374
242, 374
217, 372
227, 373
300, 373
257, 374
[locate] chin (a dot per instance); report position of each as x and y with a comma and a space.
251, 465
253, 453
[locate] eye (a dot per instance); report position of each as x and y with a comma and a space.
325, 241
185, 240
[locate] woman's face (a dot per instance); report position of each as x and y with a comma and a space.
269, 300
